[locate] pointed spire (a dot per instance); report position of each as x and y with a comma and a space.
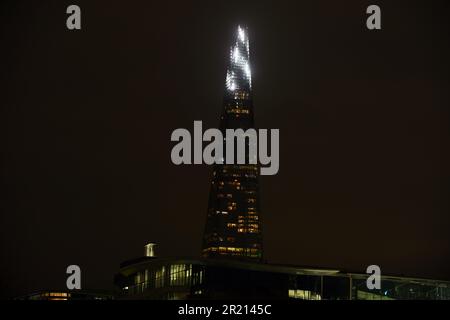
238, 73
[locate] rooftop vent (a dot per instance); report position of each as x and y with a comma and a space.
150, 249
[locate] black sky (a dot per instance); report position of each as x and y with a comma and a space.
87, 117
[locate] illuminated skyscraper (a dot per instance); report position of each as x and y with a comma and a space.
233, 225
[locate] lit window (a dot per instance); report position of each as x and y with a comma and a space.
304, 295
58, 294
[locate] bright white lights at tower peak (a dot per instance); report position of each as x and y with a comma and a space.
239, 73
241, 34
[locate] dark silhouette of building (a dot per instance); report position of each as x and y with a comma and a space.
233, 226
187, 278
55, 295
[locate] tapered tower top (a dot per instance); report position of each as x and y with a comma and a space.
233, 228
239, 77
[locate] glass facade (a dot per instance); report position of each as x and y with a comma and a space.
168, 281
206, 279
233, 227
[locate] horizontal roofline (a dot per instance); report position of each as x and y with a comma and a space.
131, 266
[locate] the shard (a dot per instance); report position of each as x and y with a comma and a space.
233, 227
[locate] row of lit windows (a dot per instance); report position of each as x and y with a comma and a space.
240, 167
231, 250
55, 294
241, 95
178, 275
304, 295
248, 230
244, 219
243, 222
230, 196
247, 189
238, 111
239, 175
222, 195
159, 275
216, 238
246, 253
221, 212
232, 206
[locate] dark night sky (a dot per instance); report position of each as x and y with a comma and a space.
87, 117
